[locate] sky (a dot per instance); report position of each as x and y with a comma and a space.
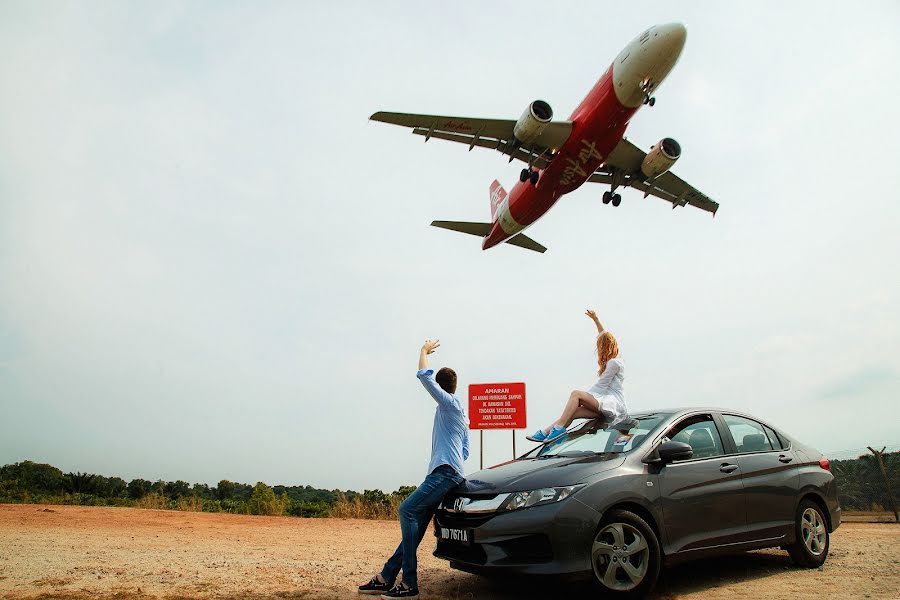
213, 266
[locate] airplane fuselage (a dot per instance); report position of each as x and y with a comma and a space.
598, 125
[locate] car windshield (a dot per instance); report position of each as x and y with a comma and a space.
594, 438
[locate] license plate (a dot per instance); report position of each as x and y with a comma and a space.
457, 536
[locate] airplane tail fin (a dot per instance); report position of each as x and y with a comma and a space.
484, 229
498, 195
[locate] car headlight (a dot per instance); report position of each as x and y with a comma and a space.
530, 498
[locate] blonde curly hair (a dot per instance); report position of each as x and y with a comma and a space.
607, 349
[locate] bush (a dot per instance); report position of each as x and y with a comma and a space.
189, 504
369, 505
154, 501
307, 509
264, 502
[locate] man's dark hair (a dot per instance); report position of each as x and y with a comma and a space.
446, 378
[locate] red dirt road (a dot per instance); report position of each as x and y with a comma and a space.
81, 552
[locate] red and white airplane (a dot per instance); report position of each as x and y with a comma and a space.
562, 155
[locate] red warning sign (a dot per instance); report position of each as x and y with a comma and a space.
497, 406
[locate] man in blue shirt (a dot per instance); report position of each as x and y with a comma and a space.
449, 448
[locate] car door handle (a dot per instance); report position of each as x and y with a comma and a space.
785, 459
727, 468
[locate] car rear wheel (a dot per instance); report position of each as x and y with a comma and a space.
810, 548
625, 555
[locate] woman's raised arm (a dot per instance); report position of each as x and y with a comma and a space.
596, 321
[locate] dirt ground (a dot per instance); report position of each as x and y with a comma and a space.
81, 552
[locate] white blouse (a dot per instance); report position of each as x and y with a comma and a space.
610, 393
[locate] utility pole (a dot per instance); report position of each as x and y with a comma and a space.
887, 482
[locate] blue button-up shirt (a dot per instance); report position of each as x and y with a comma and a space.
450, 435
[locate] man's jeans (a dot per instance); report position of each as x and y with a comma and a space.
415, 514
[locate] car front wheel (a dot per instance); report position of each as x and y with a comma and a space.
625, 556
810, 548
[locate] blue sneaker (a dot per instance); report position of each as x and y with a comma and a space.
555, 434
540, 436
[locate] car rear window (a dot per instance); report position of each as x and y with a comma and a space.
748, 435
777, 441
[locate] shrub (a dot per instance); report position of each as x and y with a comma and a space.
369, 505
154, 501
264, 502
189, 503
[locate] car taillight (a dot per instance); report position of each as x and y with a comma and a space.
825, 463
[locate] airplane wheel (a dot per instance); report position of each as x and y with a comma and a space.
606, 197
534, 177
652, 101
523, 176
616, 200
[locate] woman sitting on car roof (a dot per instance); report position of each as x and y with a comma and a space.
604, 399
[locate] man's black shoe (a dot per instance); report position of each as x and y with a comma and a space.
401, 591
374, 587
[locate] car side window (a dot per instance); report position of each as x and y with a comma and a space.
701, 435
749, 436
776, 440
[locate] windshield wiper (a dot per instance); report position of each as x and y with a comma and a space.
572, 453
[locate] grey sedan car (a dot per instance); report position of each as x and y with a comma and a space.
615, 507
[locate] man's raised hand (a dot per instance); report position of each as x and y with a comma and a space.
430, 346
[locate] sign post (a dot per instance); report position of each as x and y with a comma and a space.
497, 406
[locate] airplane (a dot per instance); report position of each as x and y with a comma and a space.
562, 155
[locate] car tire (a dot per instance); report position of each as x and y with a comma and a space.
811, 538
625, 556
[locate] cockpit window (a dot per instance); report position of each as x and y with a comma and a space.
594, 437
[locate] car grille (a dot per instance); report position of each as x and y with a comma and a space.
462, 520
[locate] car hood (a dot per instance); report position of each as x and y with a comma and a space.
533, 473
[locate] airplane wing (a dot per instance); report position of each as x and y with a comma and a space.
496, 134
623, 165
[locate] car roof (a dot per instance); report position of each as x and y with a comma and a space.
678, 412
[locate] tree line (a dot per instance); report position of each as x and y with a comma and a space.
31, 482
860, 487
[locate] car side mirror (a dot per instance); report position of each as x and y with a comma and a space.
669, 451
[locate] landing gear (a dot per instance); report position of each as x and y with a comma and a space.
608, 197
647, 86
527, 174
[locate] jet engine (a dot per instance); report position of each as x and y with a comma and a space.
660, 158
532, 122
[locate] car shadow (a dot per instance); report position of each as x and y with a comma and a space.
687, 578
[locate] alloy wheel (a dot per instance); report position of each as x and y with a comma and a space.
812, 528
620, 556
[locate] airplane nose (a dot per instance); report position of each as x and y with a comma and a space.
673, 35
